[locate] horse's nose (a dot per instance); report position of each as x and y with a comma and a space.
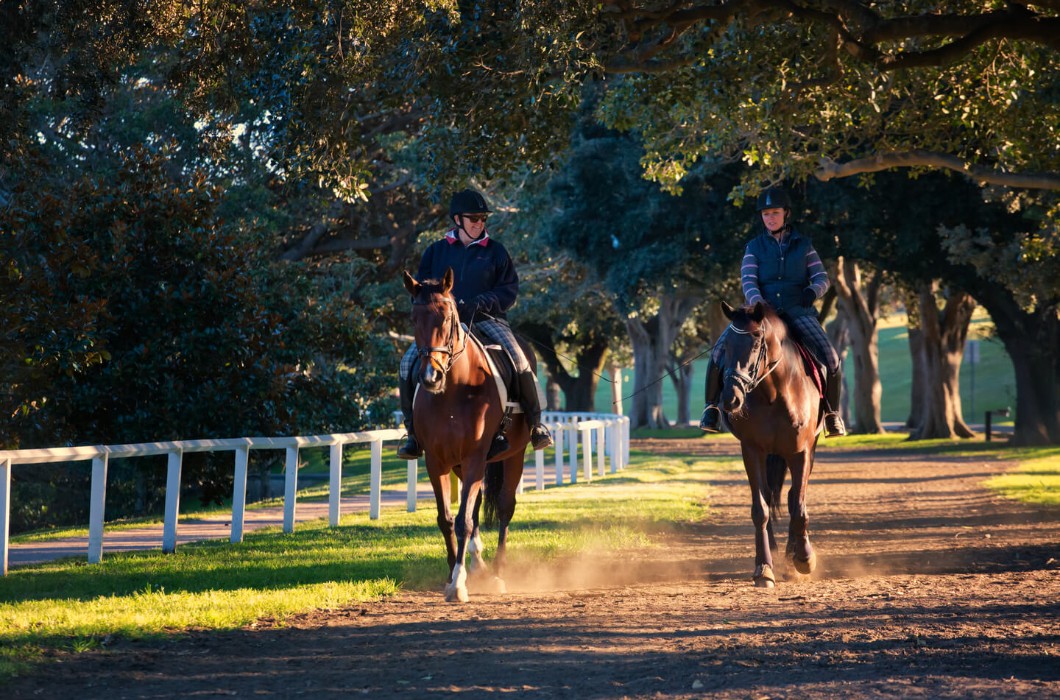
431, 378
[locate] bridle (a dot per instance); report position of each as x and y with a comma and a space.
449, 349
749, 381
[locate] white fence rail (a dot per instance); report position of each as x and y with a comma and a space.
611, 433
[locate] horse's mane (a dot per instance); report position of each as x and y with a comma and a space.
746, 315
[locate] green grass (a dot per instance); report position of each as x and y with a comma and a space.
992, 377
68, 605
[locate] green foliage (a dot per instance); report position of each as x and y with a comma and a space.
140, 304
636, 237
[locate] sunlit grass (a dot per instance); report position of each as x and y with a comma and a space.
1034, 481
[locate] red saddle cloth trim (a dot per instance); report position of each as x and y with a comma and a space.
813, 370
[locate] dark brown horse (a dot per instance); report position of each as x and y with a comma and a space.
456, 411
774, 408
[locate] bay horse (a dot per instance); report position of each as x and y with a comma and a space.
457, 410
774, 407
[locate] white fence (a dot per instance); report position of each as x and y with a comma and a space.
608, 432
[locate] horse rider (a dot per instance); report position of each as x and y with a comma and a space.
485, 287
781, 268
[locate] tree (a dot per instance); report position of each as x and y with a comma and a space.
860, 302
834, 90
660, 255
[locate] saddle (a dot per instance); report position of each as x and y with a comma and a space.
814, 369
502, 367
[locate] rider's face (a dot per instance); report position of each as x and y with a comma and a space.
470, 226
773, 219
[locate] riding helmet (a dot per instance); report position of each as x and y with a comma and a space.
774, 198
468, 202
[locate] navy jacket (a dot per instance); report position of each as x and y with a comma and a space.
777, 273
483, 272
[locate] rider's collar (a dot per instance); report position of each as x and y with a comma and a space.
452, 237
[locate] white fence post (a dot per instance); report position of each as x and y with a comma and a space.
559, 454
169, 526
572, 453
239, 493
411, 486
600, 451
587, 453
335, 484
376, 480
290, 490
539, 470
5, 513
96, 508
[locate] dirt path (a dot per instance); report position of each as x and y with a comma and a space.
928, 587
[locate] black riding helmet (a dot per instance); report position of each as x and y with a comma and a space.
774, 198
468, 202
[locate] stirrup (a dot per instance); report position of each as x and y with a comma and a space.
540, 438
411, 449
498, 446
706, 424
833, 425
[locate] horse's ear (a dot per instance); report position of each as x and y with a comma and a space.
410, 283
447, 281
727, 310
758, 312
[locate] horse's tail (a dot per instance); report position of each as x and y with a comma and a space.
776, 468
491, 490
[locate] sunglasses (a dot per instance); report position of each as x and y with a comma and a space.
476, 218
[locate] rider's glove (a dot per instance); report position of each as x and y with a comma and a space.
808, 296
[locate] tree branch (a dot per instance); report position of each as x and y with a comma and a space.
830, 170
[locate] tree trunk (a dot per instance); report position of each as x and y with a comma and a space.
839, 334
860, 304
579, 388
1031, 339
652, 341
943, 337
682, 376
553, 393
917, 357
615, 373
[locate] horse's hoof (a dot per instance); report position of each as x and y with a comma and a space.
764, 577
805, 566
454, 594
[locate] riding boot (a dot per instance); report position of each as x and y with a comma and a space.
406, 392
540, 438
711, 420
833, 422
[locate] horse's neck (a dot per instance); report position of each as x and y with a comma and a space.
786, 364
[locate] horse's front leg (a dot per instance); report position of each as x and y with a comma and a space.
440, 485
754, 462
799, 548
464, 525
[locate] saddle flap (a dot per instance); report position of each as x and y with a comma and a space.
503, 369
814, 369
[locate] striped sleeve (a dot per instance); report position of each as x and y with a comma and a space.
749, 278
816, 273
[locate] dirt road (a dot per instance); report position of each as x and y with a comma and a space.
928, 586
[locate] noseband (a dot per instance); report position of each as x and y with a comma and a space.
749, 381
448, 350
